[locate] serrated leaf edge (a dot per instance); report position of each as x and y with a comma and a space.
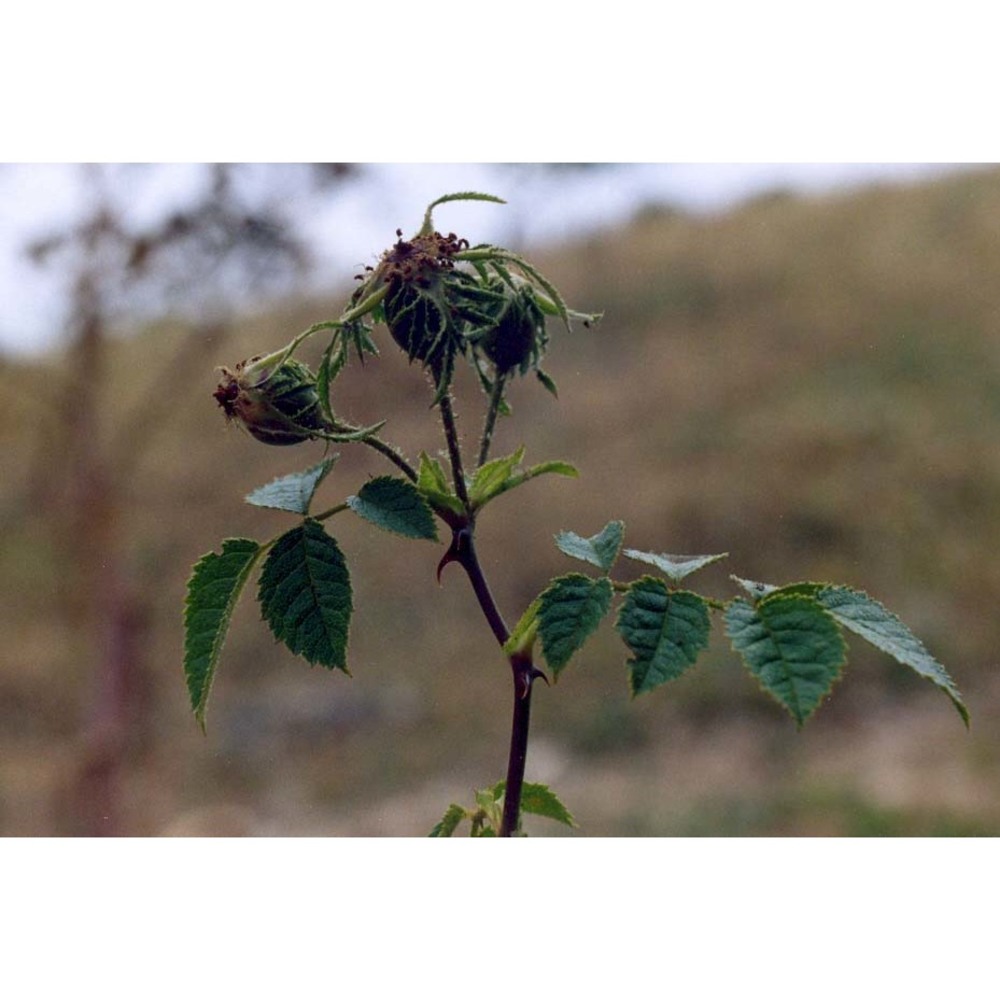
945, 683
408, 487
757, 608
602, 584
220, 637
322, 468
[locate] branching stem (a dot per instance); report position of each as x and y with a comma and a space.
393, 455
463, 551
454, 450
496, 401
524, 674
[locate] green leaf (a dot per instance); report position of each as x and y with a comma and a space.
293, 493
556, 467
434, 486
547, 381
449, 822
212, 592
428, 225
600, 549
498, 476
765, 591
305, 595
664, 629
570, 609
539, 800
675, 567
522, 635
329, 368
756, 590
792, 645
491, 477
395, 505
544, 468
866, 617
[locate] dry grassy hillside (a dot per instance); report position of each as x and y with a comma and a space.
810, 385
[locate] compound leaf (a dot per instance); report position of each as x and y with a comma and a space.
792, 645
675, 567
664, 629
293, 493
569, 610
866, 617
600, 550
212, 592
305, 595
395, 505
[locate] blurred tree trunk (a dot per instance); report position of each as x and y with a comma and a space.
107, 607
85, 466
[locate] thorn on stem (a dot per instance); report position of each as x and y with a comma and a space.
456, 551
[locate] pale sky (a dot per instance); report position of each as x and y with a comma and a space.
350, 230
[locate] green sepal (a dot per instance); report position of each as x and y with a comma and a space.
792, 645
213, 590
395, 505
292, 493
569, 611
305, 595
866, 617
599, 550
675, 567
665, 629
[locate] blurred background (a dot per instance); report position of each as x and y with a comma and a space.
798, 364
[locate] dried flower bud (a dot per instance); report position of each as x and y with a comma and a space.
417, 305
275, 400
518, 339
416, 321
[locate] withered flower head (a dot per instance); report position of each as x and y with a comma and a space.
275, 400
